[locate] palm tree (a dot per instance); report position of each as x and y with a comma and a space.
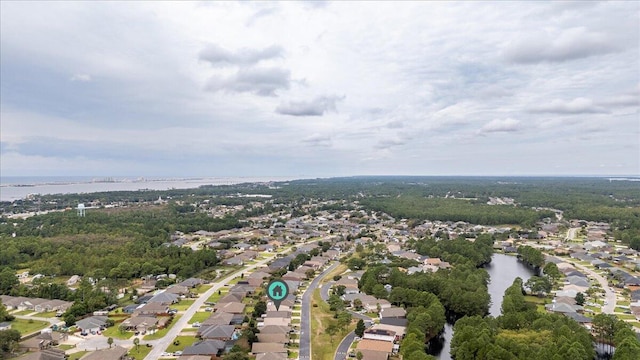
136, 342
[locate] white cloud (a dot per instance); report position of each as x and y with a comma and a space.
81, 77
501, 125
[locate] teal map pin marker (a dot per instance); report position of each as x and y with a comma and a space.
277, 290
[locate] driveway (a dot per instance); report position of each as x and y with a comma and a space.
305, 321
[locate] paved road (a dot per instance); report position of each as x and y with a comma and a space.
343, 349
305, 321
571, 233
610, 296
159, 346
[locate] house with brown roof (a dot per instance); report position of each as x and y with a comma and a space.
261, 348
230, 307
282, 338
114, 353
375, 349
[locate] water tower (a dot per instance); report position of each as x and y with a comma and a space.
81, 210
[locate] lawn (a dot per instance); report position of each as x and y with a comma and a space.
337, 271
114, 332
24, 312
28, 326
66, 347
203, 288
183, 305
323, 347
162, 332
534, 299
295, 321
292, 354
140, 353
183, 342
624, 302
200, 316
77, 355
50, 314
626, 316
216, 296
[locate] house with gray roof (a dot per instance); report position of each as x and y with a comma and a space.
92, 323
205, 347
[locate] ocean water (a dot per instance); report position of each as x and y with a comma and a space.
19, 187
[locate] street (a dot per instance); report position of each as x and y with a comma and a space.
305, 321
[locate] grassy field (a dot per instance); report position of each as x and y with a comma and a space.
23, 312
215, 297
199, 316
337, 271
534, 299
28, 326
115, 333
162, 332
77, 355
140, 353
183, 305
323, 347
203, 288
184, 341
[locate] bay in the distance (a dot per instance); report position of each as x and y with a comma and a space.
20, 187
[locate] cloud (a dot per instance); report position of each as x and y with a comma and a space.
220, 57
316, 107
575, 106
80, 77
260, 14
570, 44
258, 81
501, 125
318, 140
396, 124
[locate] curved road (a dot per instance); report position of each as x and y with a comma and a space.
305, 320
610, 296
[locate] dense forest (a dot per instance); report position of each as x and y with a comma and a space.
521, 332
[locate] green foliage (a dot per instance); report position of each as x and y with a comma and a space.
539, 285
459, 250
531, 256
9, 340
551, 270
520, 333
360, 328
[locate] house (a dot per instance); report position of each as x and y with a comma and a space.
178, 290
375, 349
393, 312
218, 318
73, 280
380, 334
275, 329
279, 321
235, 297
217, 332
234, 261
114, 353
273, 338
230, 307
92, 323
139, 323
152, 309
271, 356
192, 282
400, 330
261, 348
562, 308
46, 354
44, 340
205, 347
5, 326
165, 298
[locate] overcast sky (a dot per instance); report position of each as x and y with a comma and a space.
319, 89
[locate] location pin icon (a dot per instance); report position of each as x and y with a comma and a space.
277, 290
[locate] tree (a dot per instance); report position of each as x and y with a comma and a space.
332, 330
259, 309
110, 342
136, 342
8, 280
339, 290
539, 285
551, 270
580, 299
9, 340
357, 304
344, 319
360, 328
359, 355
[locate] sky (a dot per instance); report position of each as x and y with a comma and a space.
319, 89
